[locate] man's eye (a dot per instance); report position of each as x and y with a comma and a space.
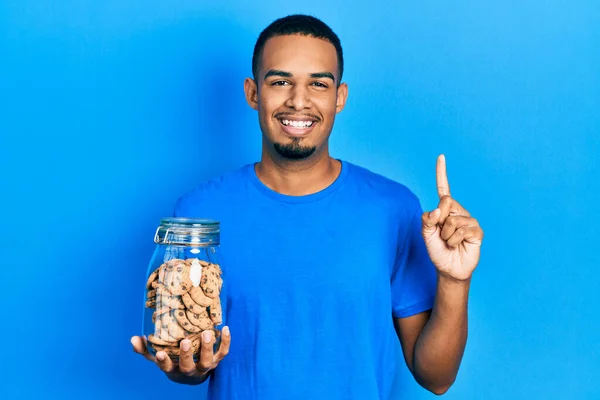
279, 83
319, 84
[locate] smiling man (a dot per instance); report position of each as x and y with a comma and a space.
333, 272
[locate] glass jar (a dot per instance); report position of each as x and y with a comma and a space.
184, 293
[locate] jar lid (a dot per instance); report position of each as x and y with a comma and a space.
188, 231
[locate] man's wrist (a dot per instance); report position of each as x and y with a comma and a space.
451, 291
453, 283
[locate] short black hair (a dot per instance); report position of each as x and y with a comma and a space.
297, 24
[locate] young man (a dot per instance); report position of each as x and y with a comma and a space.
332, 270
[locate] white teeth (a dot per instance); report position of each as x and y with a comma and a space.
298, 124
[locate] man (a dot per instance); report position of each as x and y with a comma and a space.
319, 252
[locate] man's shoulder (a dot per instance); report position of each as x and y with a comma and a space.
379, 185
215, 190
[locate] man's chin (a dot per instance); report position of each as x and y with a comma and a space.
293, 151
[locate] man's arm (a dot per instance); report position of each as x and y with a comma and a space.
434, 341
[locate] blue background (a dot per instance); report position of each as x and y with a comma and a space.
109, 110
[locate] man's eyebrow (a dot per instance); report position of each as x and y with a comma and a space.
323, 75
285, 74
278, 72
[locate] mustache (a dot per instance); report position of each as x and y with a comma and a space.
282, 115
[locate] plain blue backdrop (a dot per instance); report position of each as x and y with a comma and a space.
109, 110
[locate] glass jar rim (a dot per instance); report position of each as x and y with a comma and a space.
190, 222
187, 231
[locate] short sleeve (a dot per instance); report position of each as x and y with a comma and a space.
177, 213
187, 204
414, 277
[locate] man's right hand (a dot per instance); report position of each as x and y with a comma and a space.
187, 371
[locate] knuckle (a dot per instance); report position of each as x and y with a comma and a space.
138, 350
204, 367
446, 199
224, 351
452, 221
226, 341
165, 368
206, 359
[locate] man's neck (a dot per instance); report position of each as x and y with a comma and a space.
298, 177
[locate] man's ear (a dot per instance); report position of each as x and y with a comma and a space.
251, 91
342, 95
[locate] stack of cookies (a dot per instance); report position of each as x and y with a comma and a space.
186, 297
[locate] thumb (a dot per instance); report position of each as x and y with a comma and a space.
430, 221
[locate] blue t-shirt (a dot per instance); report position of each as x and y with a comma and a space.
313, 283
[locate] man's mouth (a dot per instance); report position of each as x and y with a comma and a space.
296, 126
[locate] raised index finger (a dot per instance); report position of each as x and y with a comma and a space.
443, 187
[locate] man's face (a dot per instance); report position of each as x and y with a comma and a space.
296, 94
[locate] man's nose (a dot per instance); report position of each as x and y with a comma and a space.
299, 98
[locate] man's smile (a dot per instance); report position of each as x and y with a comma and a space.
300, 125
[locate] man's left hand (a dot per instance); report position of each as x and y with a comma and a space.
453, 238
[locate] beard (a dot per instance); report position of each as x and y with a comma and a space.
294, 150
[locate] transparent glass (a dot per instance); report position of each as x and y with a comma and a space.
184, 292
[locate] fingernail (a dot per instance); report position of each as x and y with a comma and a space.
185, 345
226, 330
206, 335
160, 356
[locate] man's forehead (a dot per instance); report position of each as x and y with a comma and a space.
306, 54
